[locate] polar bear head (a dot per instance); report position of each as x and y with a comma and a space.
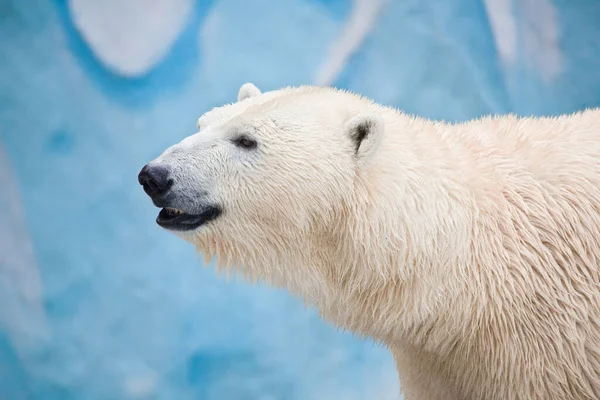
267, 174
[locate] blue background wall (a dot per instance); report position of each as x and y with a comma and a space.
97, 302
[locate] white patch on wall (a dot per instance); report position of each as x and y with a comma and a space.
22, 313
130, 36
528, 26
504, 29
541, 37
360, 22
141, 385
211, 47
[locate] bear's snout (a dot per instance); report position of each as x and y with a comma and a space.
156, 181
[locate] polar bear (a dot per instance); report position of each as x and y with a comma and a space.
471, 250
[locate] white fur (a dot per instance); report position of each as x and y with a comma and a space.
471, 250
248, 90
369, 146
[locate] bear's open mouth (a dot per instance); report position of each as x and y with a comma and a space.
178, 220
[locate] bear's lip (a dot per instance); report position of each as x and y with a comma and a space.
178, 220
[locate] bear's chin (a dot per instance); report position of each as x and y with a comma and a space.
177, 220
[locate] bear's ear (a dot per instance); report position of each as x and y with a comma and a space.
247, 90
366, 132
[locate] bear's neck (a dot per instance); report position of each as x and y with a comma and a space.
398, 261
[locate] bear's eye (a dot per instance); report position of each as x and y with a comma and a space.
245, 142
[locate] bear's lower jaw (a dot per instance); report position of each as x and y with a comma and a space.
177, 220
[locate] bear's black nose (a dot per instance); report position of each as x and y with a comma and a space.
155, 180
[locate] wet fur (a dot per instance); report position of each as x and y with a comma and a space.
470, 250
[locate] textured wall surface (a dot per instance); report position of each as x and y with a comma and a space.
97, 302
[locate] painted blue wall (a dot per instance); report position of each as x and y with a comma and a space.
97, 302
